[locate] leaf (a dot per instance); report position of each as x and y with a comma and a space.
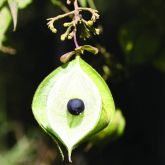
75, 79
89, 48
2, 2
13, 5
23, 3
56, 2
83, 3
5, 19
91, 4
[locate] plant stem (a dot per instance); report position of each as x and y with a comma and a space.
60, 16
76, 19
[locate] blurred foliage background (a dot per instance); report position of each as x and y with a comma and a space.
131, 60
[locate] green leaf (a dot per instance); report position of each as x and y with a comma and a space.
13, 5
23, 3
5, 19
89, 48
75, 79
91, 4
83, 3
56, 2
2, 2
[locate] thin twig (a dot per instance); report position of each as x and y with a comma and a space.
60, 16
76, 19
76, 14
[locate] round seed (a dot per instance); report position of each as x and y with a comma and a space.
75, 106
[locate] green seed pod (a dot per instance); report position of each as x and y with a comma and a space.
113, 131
73, 103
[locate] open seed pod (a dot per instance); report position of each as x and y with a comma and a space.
73, 103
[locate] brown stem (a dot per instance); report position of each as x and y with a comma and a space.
76, 19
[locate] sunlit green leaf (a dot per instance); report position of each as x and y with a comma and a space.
23, 3
83, 3
56, 2
91, 4
5, 19
2, 2
13, 5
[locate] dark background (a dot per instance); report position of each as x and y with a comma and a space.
136, 82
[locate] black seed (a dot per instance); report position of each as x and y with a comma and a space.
75, 106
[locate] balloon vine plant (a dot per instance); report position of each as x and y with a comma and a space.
73, 104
